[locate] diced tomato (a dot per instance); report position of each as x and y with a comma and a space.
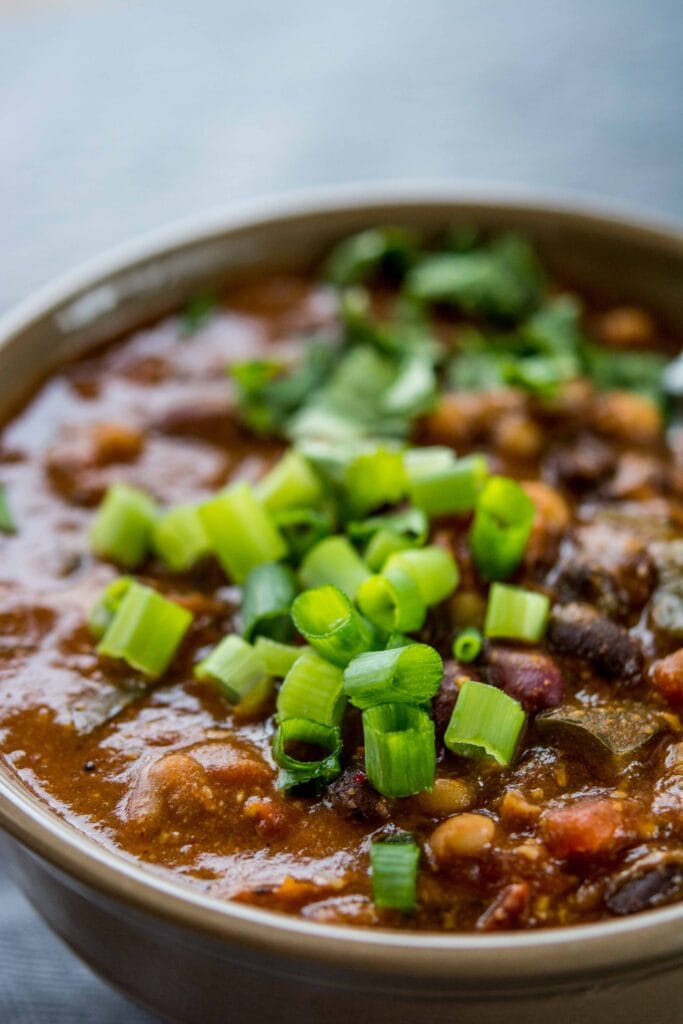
588, 828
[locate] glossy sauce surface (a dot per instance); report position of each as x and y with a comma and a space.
170, 775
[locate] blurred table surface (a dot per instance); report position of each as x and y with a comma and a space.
116, 117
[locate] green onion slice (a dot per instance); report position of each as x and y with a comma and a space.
289, 484
146, 630
313, 689
180, 539
335, 561
122, 528
400, 752
398, 640
514, 613
409, 674
105, 608
434, 570
502, 523
375, 478
440, 484
467, 645
267, 597
241, 533
330, 623
485, 723
277, 657
306, 734
393, 866
381, 546
392, 601
236, 666
410, 524
7, 521
302, 528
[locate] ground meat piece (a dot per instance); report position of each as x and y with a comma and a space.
606, 567
531, 677
590, 827
353, 796
507, 910
654, 879
666, 676
580, 630
582, 465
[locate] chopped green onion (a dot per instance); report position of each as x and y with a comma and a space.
179, 538
503, 518
313, 689
410, 524
267, 596
107, 605
334, 560
330, 623
485, 723
514, 613
380, 546
146, 630
302, 528
389, 533
467, 645
241, 532
301, 731
289, 484
434, 570
393, 864
408, 674
277, 657
400, 752
252, 704
7, 522
398, 640
357, 258
392, 601
123, 524
235, 666
374, 478
440, 484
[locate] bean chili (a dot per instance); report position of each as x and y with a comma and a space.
561, 586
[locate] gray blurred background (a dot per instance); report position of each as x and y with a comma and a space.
116, 117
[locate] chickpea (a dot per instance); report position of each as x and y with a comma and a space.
552, 511
447, 796
468, 608
627, 417
463, 416
463, 835
551, 518
116, 442
517, 436
626, 327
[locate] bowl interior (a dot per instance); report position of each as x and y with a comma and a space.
610, 257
